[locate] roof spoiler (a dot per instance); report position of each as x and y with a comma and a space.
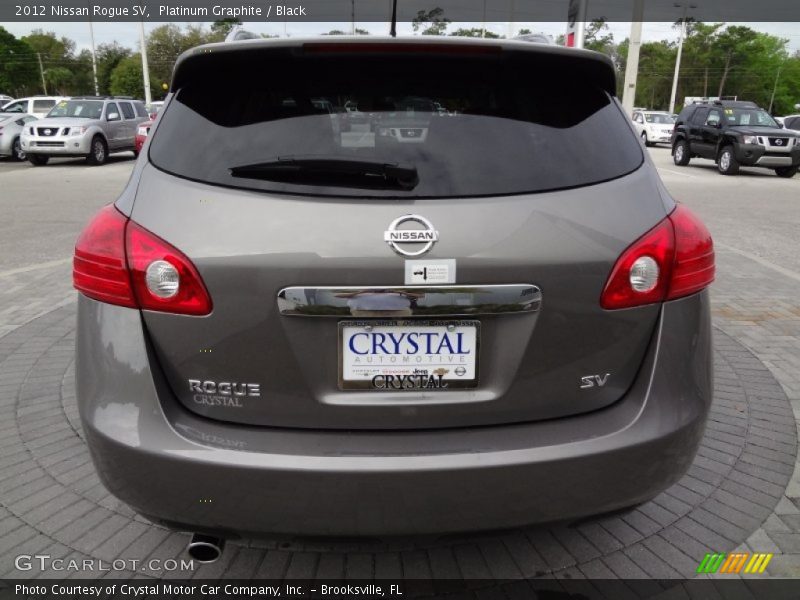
237, 58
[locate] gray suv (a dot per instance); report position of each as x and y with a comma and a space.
285, 327
90, 126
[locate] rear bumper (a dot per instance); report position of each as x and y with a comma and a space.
202, 475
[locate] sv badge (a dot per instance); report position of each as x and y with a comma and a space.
590, 381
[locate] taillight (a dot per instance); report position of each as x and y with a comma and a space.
694, 255
672, 260
99, 268
164, 279
119, 262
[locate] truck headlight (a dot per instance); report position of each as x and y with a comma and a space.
750, 139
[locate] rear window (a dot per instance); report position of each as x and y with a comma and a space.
127, 110
397, 126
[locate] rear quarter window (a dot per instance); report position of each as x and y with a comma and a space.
500, 130
41, 105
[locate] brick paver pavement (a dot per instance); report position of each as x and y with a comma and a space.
742, 491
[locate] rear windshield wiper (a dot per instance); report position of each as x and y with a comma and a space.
332, 171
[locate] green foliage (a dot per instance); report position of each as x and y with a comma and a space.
166, 42
475, 32
432, 22
108, 57
716, 61
126, 78
18, 66
220, 29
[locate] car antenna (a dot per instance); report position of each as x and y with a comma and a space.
393, 30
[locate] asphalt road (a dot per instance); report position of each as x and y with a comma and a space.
43, 208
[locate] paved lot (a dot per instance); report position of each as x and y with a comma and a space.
742, 492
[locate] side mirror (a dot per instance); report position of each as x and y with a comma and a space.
112, 117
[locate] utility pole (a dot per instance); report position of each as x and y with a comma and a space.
774, 89
94, 60
576, 23
148, 98
483, 27
632, 65
685, 6
352, 17
41, 70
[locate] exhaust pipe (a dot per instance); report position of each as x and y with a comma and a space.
205, 548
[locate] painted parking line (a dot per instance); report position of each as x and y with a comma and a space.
677, 173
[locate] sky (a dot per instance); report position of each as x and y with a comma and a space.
127, 34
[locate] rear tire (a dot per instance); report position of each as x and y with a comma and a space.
787, 172
38, 160
17, 153
98, 153
727, 163
680, 153
644, 139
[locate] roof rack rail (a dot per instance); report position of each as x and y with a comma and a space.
102, 97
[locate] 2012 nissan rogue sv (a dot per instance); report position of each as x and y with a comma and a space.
478, 317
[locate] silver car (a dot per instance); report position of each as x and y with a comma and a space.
91, 127
11, 126
654, 127
291, 329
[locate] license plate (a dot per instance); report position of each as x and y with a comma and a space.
408, 355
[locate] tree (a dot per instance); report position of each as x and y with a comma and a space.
166, 43
475, 32
524, 32
58, 78
220, 29
432, 22
126, 78
108, 57
734, 44
19, 70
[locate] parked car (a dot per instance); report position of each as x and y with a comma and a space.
505, 324
11, 126
153, 108
654, 127
142, 131
38, 106
791, 122
91, 126
734, 134
5, 99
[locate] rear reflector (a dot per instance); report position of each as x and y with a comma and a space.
676, 258
111, 262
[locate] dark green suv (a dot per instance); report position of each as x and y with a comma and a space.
735, 134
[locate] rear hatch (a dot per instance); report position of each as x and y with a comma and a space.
524, 198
